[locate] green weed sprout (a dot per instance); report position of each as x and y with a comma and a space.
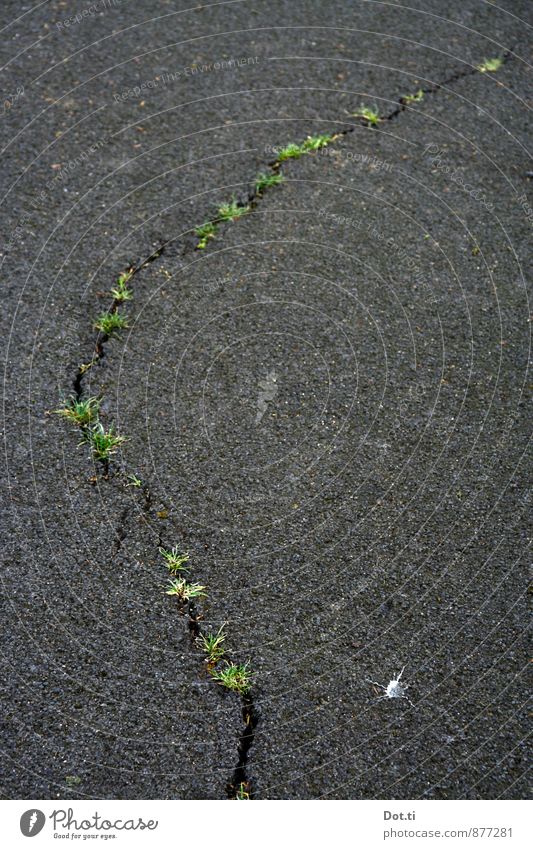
175, 561
490, 65
134, 481
242, 791
231, 211
265, 181
290, 151
369, 115
184, 591
81, 413
234, 676
205, 232
103, 442
315, 143
413, 98
108, 322
121, 292
213, 645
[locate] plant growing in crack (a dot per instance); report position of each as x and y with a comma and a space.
80, 412
109, 322
232, 210
134, 481
103, 442
213, 646
266, 181
243, 791
205, 232
184, 591
234, 676
121, 292
175, 560
371, 116
313, 143
413, 98
490, 65
290, 151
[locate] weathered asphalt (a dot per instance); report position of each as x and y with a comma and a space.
376, 515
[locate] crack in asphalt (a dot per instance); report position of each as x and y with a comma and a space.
99, 351
240, 780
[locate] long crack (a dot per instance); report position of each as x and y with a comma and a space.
101, 339
240, 785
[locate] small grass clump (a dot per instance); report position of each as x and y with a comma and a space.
413, 98
369, 115
316, 143
234, 676
311, 143
290, 151
242, 791
184, 591
81, 413
205, 232
266, 181
490, 65
121, 292
175, 561
108, 322
231, 211
103, 442
213, 646
134, 481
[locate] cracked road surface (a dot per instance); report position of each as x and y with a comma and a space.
363, 510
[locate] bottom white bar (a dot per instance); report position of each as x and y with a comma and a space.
300, 824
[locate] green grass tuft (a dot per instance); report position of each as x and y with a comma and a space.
80, 412
371, 116
108, 322
490, 65
234, 676
205, 232
213, 645
413, 98
290, 151
232, 210
175, 561
184, 591
316, 142
103, 442
266, 181
242, 791
121, 292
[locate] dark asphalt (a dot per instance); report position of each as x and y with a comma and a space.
375, 515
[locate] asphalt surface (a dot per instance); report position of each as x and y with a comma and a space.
328, 407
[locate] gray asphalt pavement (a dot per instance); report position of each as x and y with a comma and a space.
328, 406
